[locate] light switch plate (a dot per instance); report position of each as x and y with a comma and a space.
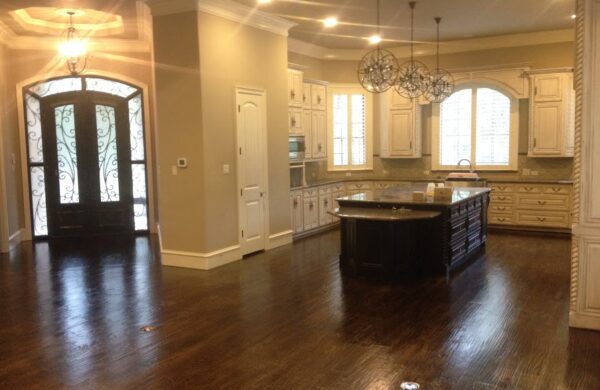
182, 162
225, 169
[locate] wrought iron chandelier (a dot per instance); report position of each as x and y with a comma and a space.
73, 49
413, 78
441, 82
378, 69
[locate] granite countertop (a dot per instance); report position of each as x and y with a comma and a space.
373, 214
403, 196
429, 180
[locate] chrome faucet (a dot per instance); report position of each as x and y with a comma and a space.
467, 160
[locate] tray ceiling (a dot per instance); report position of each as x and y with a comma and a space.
461, 19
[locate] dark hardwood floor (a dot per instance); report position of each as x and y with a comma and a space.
72, 316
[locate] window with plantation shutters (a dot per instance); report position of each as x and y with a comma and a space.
479, 124
349, 128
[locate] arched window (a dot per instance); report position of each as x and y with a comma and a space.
477, 123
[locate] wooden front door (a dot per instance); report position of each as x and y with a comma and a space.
87, 151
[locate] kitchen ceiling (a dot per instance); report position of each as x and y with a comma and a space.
461, 19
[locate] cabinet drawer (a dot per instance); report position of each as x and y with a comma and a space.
497, 188
558, 202
325, 190
500, 219
557, 190
338, 188
501, 198
529, 189
359, 186
548, 219
500, 209
308, 193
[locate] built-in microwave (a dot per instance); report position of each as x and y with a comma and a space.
297, 147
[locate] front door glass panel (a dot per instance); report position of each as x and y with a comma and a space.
108, 162
66, 150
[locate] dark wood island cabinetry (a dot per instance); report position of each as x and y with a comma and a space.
387, 232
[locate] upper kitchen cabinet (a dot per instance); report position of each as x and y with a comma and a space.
306, 96
400, 126
551, 114
318, 97
295, 88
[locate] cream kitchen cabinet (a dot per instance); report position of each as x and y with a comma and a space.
297, 208
306, 96
318, 97
310, 202
325, 206
295, 88
318, 135
530, 206
551, 114
295, 121
358, 187
400, 124
307, 131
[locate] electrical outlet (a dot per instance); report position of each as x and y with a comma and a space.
426, 172
225, 169
174, 170
348, 174
526, 172
534, 173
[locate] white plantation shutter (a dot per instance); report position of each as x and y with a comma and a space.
340, 130
493, 127
475, 124
455, 128
359, 131
350, 131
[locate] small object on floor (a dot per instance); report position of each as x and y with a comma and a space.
149, 328
410, 386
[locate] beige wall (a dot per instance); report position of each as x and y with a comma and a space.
537, 57
195, 86
236, 55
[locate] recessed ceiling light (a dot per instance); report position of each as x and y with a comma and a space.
330, 22
374, 39
573, 16
264, 1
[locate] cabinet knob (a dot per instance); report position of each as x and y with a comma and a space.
502, 197
311, 205
319, 99
501, 219
528, 189
295, 203
326, 202
292, 94
293, 122
541, 219
501, 208
303, 98
541, 202
555, 189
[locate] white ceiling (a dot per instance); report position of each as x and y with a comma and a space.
460, 19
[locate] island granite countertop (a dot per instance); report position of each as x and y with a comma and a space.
402, 196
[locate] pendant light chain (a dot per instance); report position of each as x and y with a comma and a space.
378, 69
441, 83
437, 55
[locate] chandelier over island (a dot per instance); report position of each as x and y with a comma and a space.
378, 70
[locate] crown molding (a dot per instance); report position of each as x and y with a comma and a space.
447, 47
225, 9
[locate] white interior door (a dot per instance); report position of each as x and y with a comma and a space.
251, 135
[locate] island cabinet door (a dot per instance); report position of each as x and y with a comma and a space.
311, 213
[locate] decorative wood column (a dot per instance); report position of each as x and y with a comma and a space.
585, 266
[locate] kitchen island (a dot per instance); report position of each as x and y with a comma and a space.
388, 233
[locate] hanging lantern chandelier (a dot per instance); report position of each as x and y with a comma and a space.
73, 49
378, 69
413, 78
441, 82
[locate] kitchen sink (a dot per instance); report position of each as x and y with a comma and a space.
465, 179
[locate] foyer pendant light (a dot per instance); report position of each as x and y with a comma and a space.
441, 82
378, 69
73, 49
413, 78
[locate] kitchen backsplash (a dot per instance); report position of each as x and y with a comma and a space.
529, 168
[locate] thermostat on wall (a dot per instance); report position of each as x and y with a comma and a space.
182, 162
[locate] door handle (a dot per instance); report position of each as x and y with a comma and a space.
261, 194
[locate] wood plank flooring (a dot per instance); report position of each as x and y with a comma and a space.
72, 316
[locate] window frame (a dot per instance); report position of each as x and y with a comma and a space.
350, 89
513, 153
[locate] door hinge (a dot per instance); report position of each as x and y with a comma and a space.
239, 108
241, 192
242, 233
240, 151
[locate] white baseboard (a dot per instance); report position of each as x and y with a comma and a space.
280, 239
203, 261
15, 239
584, 321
